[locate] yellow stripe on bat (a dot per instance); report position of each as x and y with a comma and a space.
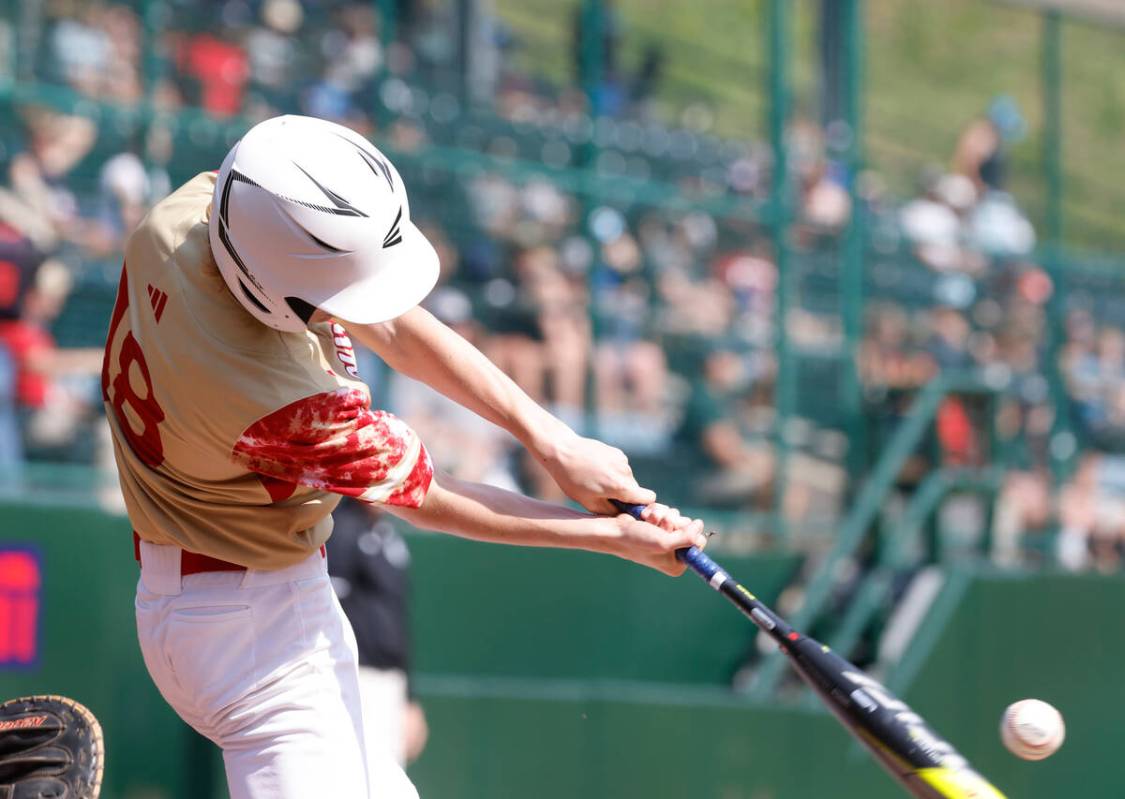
959, 784
747, 593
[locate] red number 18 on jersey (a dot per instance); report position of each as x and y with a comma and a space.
138, 415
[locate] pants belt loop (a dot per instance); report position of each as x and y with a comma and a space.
160, 568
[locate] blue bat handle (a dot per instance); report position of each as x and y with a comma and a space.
695, 558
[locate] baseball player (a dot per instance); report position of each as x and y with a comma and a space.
238, 419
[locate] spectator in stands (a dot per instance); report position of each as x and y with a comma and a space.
1024, 506
122, 79
948, 347
540, 330
274, 60
564, 325
888, 359
79, 46
353, 55
948, 343
995, 227
54, 387
95, 48
934, 224
1092, 515
515, 343
892, 366
28, 341
19, 262
998, 228
825, 203
630, 368
691, 308
733, 470
38, 200
981, 152
125, 193
750, 276
212, 67
467, 446
1096, 376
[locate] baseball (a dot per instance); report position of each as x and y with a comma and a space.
1032, 729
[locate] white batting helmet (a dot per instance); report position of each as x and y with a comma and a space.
308, 214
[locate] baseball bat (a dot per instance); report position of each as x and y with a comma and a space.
922, 761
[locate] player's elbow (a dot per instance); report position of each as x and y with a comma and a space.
432, 512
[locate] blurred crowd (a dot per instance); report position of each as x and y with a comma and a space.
648, 325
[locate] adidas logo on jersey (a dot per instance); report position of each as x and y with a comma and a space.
158, 299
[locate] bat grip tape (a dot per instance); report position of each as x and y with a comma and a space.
694, 557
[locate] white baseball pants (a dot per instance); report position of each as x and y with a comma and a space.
383, 695
263, 663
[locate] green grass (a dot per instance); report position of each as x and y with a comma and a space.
930, 68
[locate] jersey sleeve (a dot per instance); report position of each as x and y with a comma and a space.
333, 441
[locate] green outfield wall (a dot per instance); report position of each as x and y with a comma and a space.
554, 675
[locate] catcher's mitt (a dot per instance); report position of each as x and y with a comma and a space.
50, 748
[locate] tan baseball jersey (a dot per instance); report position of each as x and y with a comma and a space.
232, 439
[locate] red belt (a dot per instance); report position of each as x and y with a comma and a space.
195, 563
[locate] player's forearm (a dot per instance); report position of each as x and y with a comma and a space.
421, 347
485, 513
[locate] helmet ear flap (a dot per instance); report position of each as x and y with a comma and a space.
301, 309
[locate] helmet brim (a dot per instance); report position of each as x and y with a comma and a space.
409, 274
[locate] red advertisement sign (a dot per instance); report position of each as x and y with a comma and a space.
20, 594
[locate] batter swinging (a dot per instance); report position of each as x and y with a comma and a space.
238, 420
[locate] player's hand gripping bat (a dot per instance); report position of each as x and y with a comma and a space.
922, 761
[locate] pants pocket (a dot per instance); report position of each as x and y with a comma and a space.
211, 614
211, 650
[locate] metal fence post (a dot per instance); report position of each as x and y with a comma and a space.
386, 13
590, 52
1062, 444
590, 23
777, 33
388, 30
852, 261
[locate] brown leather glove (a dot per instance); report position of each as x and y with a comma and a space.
50, 748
